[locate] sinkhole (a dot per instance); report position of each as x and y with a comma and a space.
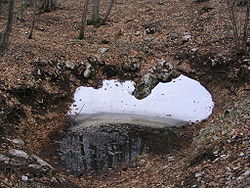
114, 146
111, 127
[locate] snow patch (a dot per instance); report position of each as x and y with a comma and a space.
182, 99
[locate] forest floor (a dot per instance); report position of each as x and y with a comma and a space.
37, 86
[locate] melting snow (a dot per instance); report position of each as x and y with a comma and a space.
182, 99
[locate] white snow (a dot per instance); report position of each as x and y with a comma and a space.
182, 99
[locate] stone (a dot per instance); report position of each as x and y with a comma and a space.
150, 30
103, 50
149, 79
147, 83
35, 166
16, 162
18, 142
174, 35
132, 66
24, 178
88, 71
247, 173
19, 153
197, 175
70, 64
137, 33
186, 37
171, 159
4, 159
163, 72
41, 162
194, 49
149, 38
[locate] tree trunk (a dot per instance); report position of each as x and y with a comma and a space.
246, 27
48, 5
1, 6
8, 28
33, 20
21, 10
112, 2
83, 21
96, 10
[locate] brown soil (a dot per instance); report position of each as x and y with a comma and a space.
36, 87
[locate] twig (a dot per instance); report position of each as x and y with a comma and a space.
5, 183
78, 113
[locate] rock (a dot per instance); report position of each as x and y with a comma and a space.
241, 154
186, 37
197, 175
40, 28
147, 83
53, 179
132, 66
89, 69
4, 159
149, 80
194, 50
35, 166
103, 50
41, 162
18, 153
18, 142
149, 38
24, 178
174, 35
171, 159
150, 30
70, 64
137, 33
247, 173
163, 72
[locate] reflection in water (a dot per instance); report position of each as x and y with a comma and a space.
100, 148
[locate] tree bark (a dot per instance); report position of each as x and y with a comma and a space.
48, 5
96, 10
236, 36
112, 2
21, 10
33, 20
8, 28
246, 24
1, 6
83, 21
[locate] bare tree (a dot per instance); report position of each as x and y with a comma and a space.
33, 20
240, 31
111, 4
21, 9
8, 28
96, 11
48, 5
83, 21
